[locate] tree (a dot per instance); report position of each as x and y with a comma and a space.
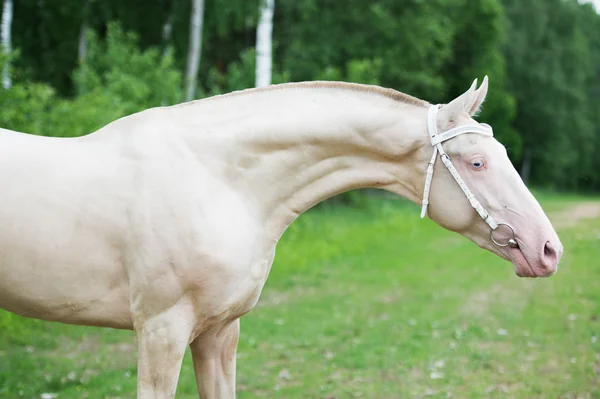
167, 27
194, 48
589, 21
82, 48
483, 19
408, 40
264, 33
7, 15
542, 57
550, 69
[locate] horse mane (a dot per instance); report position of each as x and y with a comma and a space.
359, 87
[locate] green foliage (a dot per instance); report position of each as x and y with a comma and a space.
366, 71
408, 41
137, 79
542, 57
25, 107
588, 176
239, 75
116, 79
483, 20
551, 66
85, 113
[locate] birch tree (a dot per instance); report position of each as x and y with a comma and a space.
167, 31
167, 26
7, 14
194, 48
264, 35
82, 47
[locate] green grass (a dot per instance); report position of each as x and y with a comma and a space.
372, 303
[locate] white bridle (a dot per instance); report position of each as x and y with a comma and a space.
436, 141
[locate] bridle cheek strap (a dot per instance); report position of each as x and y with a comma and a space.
436, 141
472, 200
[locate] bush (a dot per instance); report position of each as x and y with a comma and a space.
239, 75
139, 78
116, 79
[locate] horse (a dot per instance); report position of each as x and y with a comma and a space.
165, 222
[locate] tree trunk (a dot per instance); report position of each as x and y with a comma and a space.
526, 167
194, 48
264, 35
82, 48
167, 30
167, 34
7, 15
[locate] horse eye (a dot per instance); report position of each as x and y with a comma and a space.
477, 163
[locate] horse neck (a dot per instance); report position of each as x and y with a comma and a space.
288, 149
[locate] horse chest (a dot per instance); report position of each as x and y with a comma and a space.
252, 288
221, 271
237, 283
209, 248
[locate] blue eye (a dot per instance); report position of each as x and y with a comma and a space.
477, 163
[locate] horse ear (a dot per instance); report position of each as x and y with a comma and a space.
481, 93
464, 103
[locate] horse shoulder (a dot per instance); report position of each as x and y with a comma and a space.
206, 248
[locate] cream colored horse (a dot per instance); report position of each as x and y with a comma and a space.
166, 221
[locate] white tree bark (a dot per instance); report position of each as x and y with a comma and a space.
7, 15
194, 48
167, 33
167, 29
82, 48
264, 35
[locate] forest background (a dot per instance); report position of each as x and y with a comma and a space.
72, 66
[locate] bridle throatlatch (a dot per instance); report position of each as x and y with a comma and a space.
436, 141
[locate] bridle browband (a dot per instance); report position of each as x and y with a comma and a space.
436, 141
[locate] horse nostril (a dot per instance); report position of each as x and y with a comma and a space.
551, 256
548, 251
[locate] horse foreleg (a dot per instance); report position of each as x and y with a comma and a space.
214, 362
162, 341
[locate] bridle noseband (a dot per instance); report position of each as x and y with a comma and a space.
436, 141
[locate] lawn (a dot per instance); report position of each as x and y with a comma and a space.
371, 302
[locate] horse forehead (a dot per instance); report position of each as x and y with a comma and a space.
489, 144
468, 142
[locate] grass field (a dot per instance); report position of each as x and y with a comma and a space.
371, 303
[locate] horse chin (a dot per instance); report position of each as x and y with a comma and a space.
516, 256
525, 268
522, 266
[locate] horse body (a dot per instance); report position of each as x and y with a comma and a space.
89, 222
166, 221
59, 258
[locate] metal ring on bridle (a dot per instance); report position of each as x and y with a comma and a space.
512, 242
